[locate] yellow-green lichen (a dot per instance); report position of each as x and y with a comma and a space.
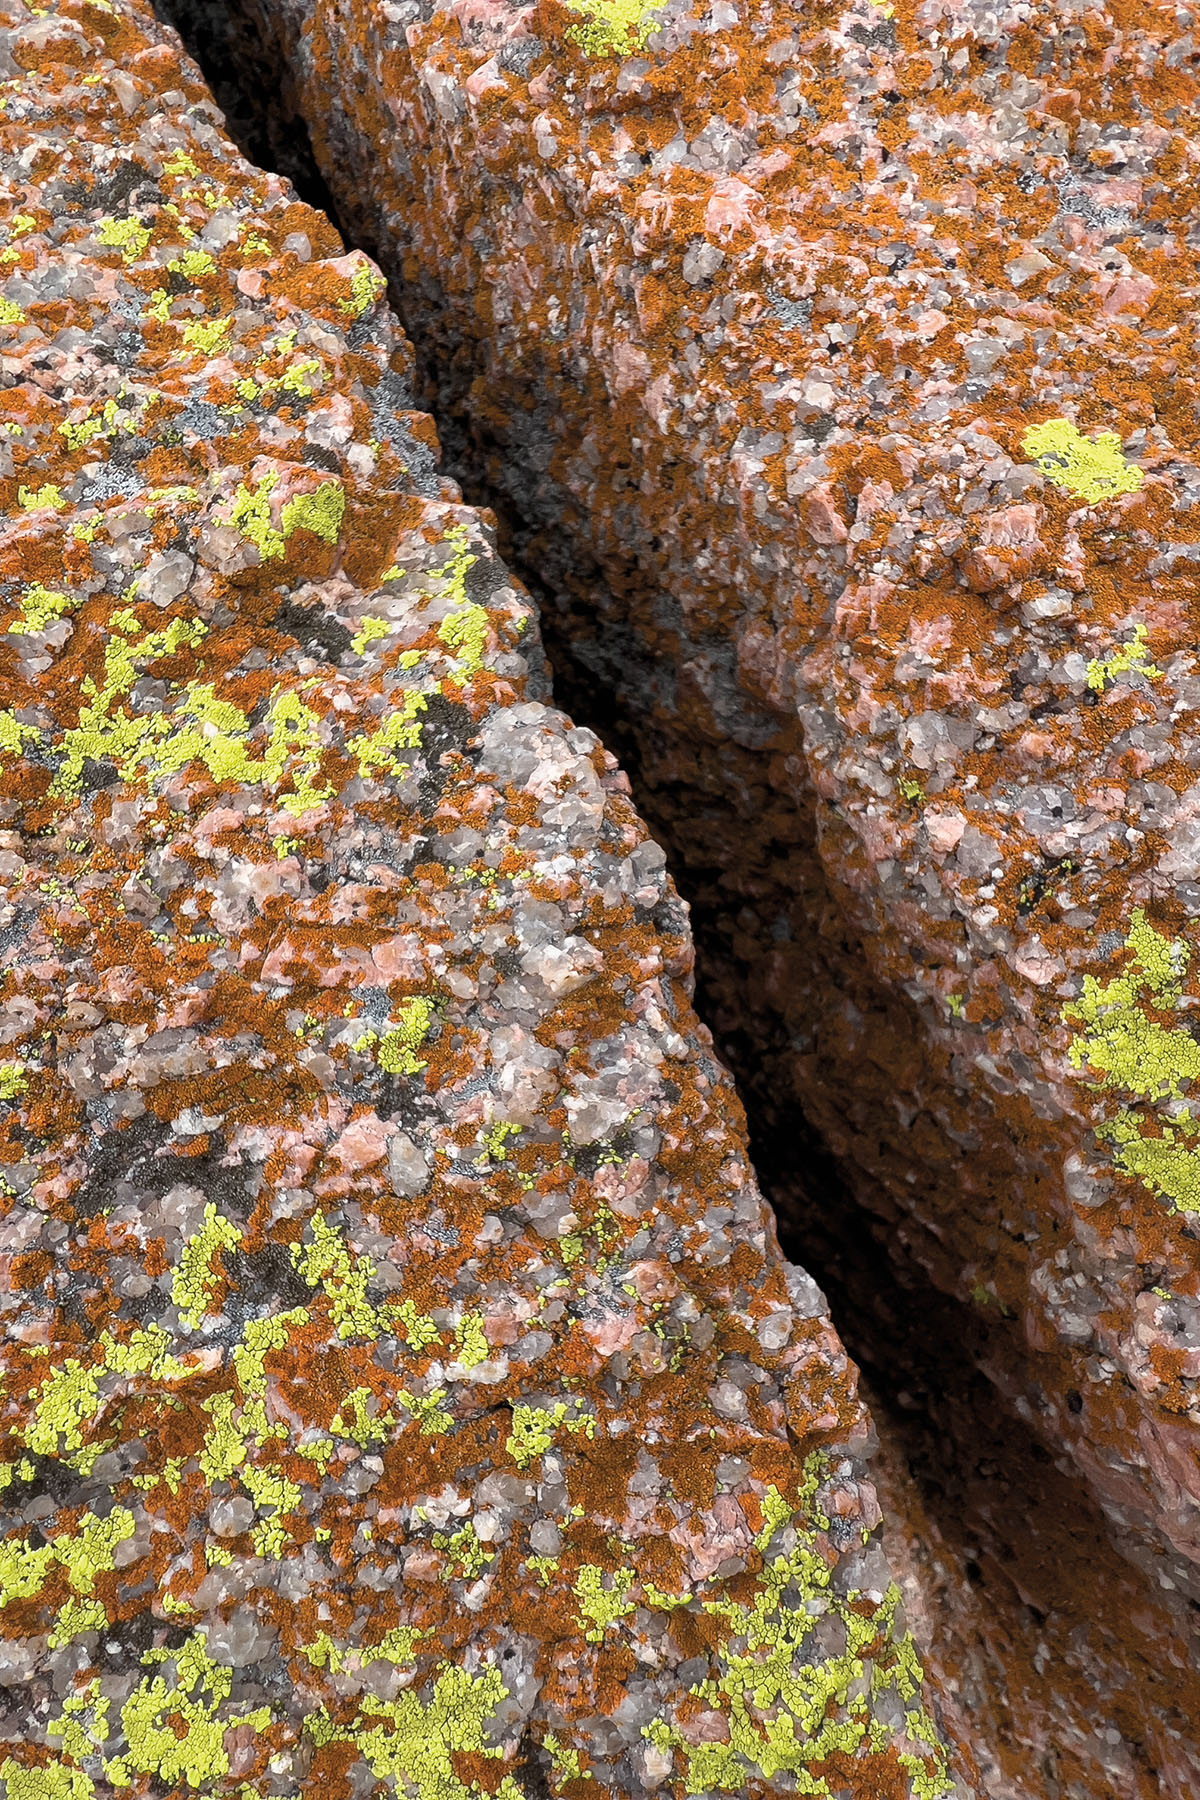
83, 1725
224, 1449
320, 512
417, 1328
293, 382
14, 1080
471, 1343
428, 1409
534, 1427
787, 1713
68, 1397
1091, 468
415, 1743
267, 1488
1132, 1050
467, 1557
193, 264
396, 1646
207, 335
178, 222
567, 1766
320, 1451
660, 1600
195, 1279
614, 27
41, 607
398, 1047
49, 495
176, 1729
601, 1605
1129, 659
130, 236
82, 432
366, 285
370, 631
76, 1618
45, 1781
23, 1569
90, 1549
146, 1351
355, 1420
466, 629
496, 1137
1150, 1061
202, 728
401, 730
328, 1262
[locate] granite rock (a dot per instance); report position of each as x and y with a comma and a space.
834, 360
403, 1388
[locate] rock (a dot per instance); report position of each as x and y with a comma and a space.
534, 1472
877, 533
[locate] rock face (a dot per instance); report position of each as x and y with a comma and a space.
1067, 1676
403, 1389
845, 341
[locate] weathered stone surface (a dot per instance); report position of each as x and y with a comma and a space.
1067, 1674
403, 1390
850, 343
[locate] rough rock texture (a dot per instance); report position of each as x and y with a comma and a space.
1067, 1677
403, 1390
847, 341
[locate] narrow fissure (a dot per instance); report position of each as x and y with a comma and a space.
1025, 1610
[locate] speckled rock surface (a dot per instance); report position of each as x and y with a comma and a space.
852, 344
403, 1390
1070, 1677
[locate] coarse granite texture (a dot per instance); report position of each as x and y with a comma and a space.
403, 1389
1067, 1674
846, 348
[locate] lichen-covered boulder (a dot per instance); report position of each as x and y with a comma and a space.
850, 343
403, 1390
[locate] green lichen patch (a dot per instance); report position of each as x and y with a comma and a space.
790, 1709
40, 608
196, 1279
415, 1744
367, 285
1092, 469
613, 27
1153, 1062
1130, 659
1121, 1039
602, 1601
320, 512
534, 1429
194, 726
175, 1726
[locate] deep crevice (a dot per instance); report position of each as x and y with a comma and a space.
1025, 1609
